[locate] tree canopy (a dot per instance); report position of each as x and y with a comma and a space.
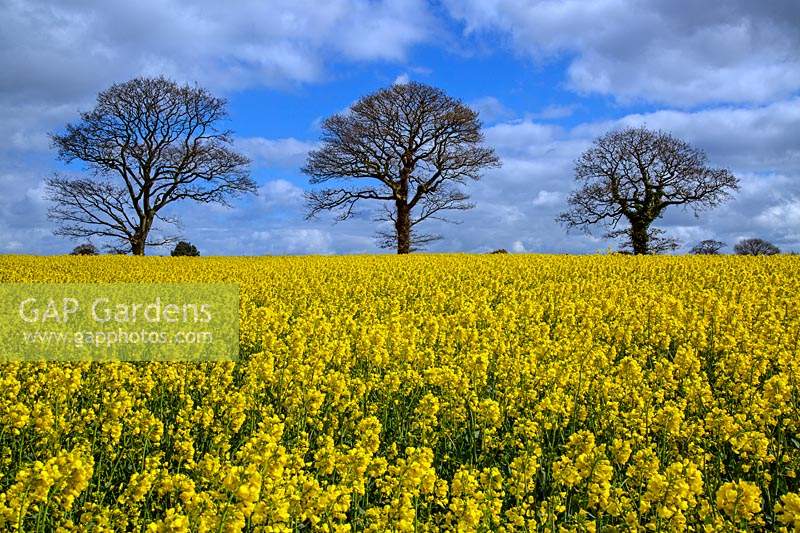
147, 144
632, 175
411, 147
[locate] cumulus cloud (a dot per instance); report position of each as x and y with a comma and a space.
248, 44
784, 217
753, 138
547, 198
292, 240
23, 215
295, 241
491, 110
678, 52
280, 193
58, 55
287, 152
24, 127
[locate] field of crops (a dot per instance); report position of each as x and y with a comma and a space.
516, 393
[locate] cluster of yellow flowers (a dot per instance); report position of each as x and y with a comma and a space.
425, 393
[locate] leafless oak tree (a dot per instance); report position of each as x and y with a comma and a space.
707, 247
148, 143
409, 146
635, 174
755, 247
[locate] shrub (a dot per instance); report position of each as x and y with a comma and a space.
85, 249
184, 248
707, 247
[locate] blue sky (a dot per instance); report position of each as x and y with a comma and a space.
547, 77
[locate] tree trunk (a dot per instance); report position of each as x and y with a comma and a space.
403, 227
639, 238
139, 239
137, 246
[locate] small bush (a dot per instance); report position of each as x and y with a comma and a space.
85, 249
185, 249
707, 247
500, 251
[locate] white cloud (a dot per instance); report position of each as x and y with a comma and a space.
517, 247
548, 198
754, 138
294, 241
286, 152
402, 79
57, 55
24, 127
678, 52
67, 49
784, 217
491, 110
522, 137
280, 193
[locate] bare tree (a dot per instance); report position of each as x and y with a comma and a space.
410, 146
148, 143
635, 174
707, 247
755, 247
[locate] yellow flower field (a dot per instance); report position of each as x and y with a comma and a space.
516, 393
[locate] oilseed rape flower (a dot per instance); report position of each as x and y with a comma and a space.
426, 393
739, 500
788, 511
